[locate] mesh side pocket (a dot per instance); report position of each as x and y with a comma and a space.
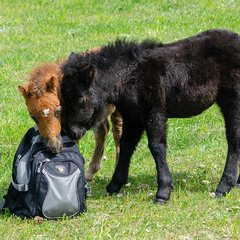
62, 196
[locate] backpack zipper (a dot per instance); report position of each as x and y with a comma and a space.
41, 163
18, 159
38, 179
20, 155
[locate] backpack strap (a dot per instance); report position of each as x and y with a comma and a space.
25, 187
35, 127
36, 139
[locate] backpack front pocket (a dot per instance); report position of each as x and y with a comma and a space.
62, 194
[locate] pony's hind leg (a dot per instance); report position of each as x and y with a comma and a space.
230, 107
100, 134
117, 124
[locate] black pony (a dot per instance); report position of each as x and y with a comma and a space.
151, 82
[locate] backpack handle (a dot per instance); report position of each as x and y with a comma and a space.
20, 187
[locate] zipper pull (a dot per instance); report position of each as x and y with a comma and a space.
18, 159
41, 163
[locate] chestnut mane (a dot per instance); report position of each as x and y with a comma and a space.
41, 75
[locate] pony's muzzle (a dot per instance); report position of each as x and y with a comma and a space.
76, 132
56, 146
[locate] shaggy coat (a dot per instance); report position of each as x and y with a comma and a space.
44, 101
151, 82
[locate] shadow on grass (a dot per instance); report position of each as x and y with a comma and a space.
142, 182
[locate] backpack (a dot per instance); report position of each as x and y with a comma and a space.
46, 184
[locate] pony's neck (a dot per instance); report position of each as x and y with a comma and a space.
59, 79
59, 94
111, 80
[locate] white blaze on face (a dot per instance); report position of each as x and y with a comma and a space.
46, 112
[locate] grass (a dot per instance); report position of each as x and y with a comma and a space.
36, 31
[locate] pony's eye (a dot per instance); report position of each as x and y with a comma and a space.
81, 100
57, 112
35, 119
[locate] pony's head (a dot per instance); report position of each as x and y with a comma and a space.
42, 96
85, 102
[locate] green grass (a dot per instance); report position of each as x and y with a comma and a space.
36, 31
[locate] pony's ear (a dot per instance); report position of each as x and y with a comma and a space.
72, 56
51, 84
92, 72
23, 90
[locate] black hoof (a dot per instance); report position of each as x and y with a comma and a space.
237, 185
113, 187
220, 195
159, 201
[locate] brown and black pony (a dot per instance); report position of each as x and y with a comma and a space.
44, 101
151, 82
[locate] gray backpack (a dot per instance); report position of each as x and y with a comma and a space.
46, 184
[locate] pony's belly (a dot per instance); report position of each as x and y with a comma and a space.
191, 100
186, 109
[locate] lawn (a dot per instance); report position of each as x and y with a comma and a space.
35, 31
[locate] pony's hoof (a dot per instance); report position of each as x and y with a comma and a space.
87, 178
220, 195
89, 175
237, 185
159, 201
113, 187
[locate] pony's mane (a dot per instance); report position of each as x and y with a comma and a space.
107, 55
42, 74
123, 49
131, 48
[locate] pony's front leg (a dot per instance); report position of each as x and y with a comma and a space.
130, 136
100, 133
156, 133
